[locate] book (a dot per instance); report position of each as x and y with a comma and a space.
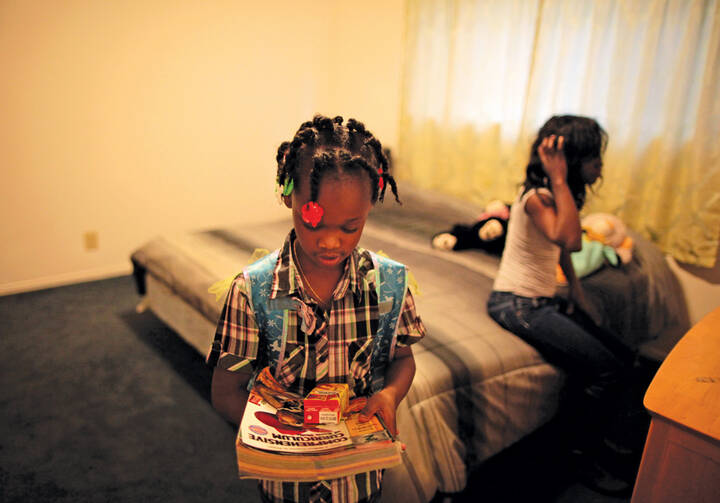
269, 449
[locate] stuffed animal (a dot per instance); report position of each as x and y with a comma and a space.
487, 233
605, 241
610, 231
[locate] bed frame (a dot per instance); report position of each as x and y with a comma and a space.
478, 388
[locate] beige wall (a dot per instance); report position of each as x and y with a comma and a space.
701, 287
134, 118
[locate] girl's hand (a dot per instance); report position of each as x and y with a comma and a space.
382, 403
577, 301
576, 298
552, 157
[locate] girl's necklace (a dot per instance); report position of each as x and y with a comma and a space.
304, 277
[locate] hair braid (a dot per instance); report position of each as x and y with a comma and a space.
373, 145
322, 162
325, 145
357, 163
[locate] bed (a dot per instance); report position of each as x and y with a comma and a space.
478, 388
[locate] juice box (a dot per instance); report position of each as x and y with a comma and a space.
326, 403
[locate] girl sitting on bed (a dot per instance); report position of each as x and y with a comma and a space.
544, 228
330, 175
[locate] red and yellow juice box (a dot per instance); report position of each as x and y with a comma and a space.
326, 403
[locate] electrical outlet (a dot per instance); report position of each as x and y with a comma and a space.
91, 241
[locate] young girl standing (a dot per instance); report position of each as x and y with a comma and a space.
544, 228
330, 175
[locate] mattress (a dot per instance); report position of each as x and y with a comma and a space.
478, 388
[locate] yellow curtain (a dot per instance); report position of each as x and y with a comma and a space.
481, 76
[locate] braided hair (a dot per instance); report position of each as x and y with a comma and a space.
327, 146
584, 140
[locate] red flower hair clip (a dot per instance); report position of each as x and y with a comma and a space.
312, 213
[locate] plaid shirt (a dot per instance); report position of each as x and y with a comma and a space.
337, 339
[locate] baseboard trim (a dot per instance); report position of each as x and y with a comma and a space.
69, 278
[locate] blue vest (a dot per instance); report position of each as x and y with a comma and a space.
271, 315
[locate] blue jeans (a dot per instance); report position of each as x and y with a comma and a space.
598, 365
593, 358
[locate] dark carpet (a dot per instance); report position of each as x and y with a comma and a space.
101, 404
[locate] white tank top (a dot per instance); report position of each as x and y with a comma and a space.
529, 261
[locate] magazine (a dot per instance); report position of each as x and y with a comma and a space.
261, 428
269, 449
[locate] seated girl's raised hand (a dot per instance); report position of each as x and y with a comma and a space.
552, 157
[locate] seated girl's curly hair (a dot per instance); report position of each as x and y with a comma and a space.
584, 139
